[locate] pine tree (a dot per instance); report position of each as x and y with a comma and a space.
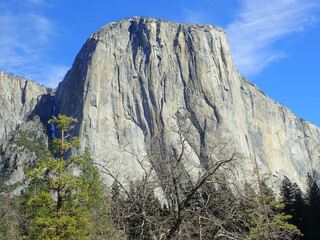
312, 192
57, 209
98, 202
273, 226
9, 217
312, 217
291, 196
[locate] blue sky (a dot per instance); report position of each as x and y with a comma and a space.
274, 43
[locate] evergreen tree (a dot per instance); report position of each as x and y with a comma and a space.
269, 221
312, 191
291, 196
57, 209
9, 217
98, 202
312, 217
61, 205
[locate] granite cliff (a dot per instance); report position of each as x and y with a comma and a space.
136, 80
19, 97
23, 137
133, 78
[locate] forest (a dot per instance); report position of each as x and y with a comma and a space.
66, 198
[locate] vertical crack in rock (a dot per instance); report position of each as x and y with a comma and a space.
131, 80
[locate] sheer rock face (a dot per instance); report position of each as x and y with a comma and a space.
136, 80
19, 98
21, 132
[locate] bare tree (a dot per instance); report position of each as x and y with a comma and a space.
188, 206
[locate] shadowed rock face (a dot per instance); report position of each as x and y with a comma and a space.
136, 80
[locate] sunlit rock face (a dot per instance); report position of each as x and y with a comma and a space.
136, 80
19, 98
141, 86
24, 105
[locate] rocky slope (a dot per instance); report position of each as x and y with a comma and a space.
137, 80
19, 98
26, 145
24, 107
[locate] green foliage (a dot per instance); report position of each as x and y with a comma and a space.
65, 227
49, 90
7, 188
27, 140
59, 204
98, 204
62, 122
57, 209
31, 142
305, 210
291, 196
9, 218
312, 191
270, 223
312, 209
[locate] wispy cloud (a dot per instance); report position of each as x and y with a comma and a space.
51, 74
192, 16
262, 23
25, 38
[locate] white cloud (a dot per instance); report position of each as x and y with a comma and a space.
192, 16
25, 40
260, 24
49, 74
